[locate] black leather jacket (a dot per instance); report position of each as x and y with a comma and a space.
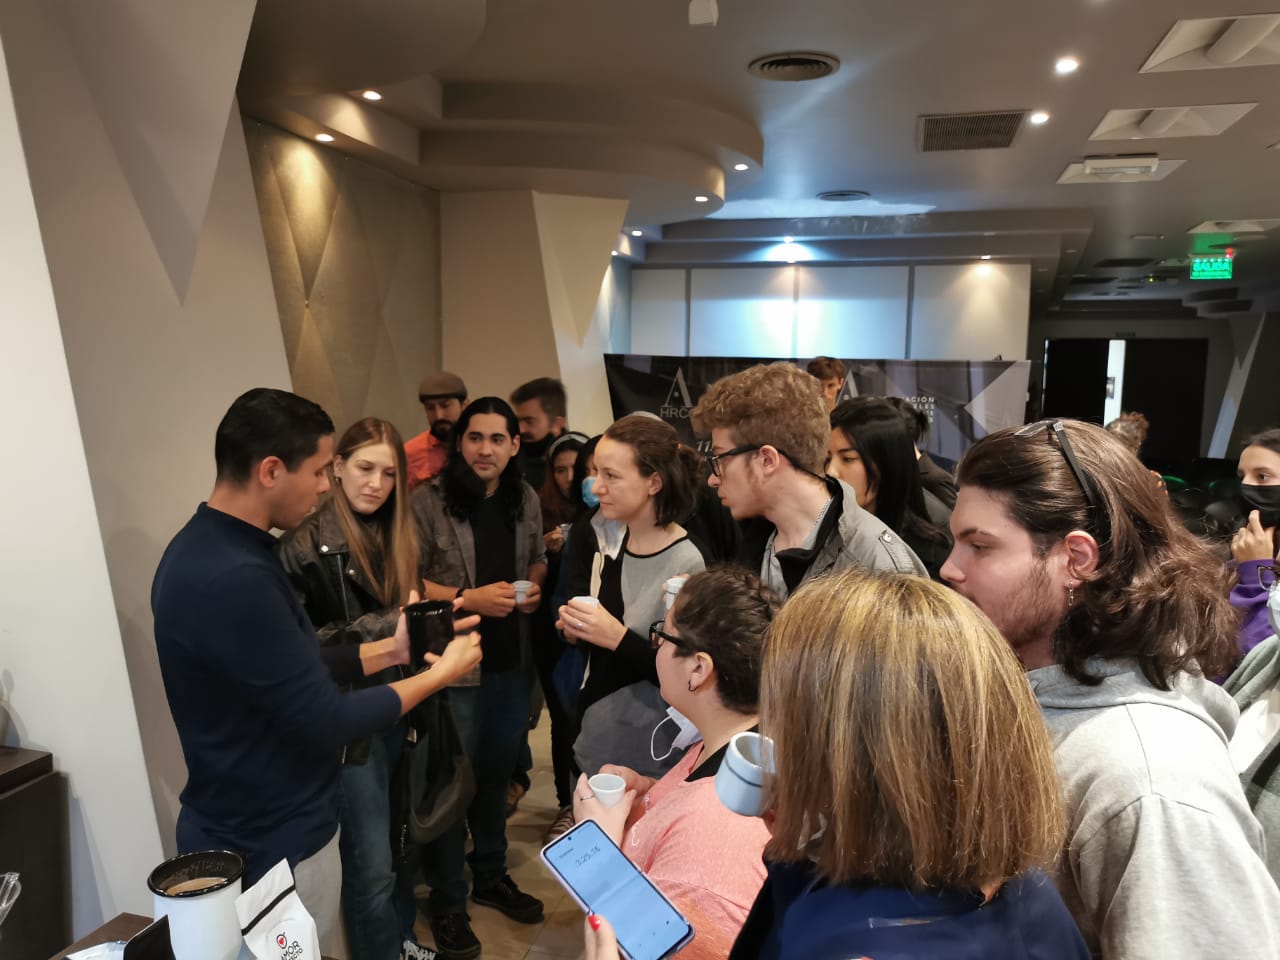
338, 598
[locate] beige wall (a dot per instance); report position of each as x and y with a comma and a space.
355, 262
155, 352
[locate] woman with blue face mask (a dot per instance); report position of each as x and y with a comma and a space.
1254, 547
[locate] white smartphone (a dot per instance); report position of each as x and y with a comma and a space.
603, 881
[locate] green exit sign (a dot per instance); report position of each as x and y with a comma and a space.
1212, 268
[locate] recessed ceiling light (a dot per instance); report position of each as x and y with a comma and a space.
790, 261
1038, 118
985, 256
372, 95
1066, 65
325, 137
741, 167
701, 199
637, 233
788, 239
613, 253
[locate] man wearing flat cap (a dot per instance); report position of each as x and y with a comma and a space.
443, 395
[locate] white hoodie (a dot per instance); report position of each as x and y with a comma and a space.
1163, 858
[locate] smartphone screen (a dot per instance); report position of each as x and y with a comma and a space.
604, 881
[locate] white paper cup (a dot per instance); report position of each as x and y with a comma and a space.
671, 587
522, 589
740, 779
585, 601
608, 788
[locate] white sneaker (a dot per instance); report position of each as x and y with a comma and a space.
412, 950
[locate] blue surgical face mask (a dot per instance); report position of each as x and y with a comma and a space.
588, 492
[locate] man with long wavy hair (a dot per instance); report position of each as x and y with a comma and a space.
1119, 615
481, 530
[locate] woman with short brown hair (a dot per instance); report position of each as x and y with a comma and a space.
915, 800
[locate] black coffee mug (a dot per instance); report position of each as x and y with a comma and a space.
430, 629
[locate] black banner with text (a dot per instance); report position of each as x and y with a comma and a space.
964, 399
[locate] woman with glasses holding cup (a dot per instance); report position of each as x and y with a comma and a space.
354, 562
704, 857
644, 480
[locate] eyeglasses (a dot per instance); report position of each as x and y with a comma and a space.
1268, 576
713, 459
657, 635
1056, 429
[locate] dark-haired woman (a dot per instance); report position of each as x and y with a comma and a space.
354, 562
702, 855
644, 480
1256, 545
873, 453
559, 510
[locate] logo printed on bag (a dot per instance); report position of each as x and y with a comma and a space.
290, 952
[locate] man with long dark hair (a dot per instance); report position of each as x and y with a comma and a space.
1119, 615
482, 531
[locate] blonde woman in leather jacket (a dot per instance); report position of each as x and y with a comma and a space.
353, 562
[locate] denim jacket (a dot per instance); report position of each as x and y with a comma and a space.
449, 549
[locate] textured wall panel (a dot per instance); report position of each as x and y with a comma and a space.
355, 261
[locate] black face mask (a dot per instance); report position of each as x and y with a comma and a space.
1266, 500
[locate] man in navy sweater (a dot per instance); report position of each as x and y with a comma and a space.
258, 712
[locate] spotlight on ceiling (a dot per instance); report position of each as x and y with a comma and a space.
701, 199
788, 239
637, 233
372, 95
1066, 65
325, 137
1038, 118
613, 253
740, 167
703, 13
985, 256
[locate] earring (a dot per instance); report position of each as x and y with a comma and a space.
691, 686
1071, 594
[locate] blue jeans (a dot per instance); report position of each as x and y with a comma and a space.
491, 719
377, 900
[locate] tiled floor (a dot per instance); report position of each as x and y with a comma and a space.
559, 936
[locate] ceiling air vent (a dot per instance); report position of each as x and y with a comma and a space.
1217, 43
1119, 263
843, 196
794, 66
969, 131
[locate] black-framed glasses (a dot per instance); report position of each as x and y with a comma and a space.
657, 635
1055, 428
713, 459
1268, 576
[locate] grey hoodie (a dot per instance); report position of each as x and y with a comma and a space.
1163, 857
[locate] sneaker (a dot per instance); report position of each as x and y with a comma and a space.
505, 897
453, 936
560, 825
413, 950
514, 792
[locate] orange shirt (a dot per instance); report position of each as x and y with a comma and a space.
425, 456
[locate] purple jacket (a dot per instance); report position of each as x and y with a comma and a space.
1249, 597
